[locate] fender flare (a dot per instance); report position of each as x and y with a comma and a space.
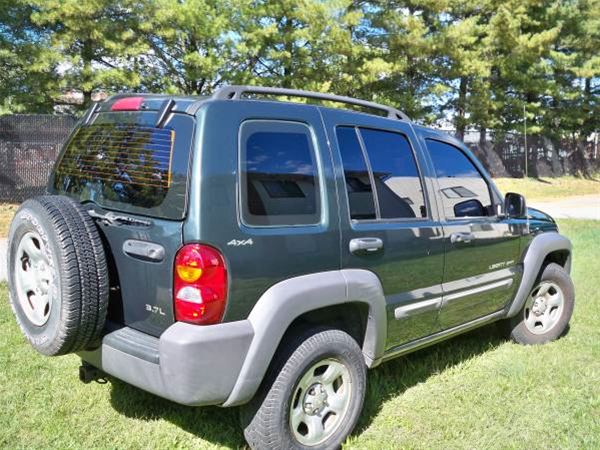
281, 304
535, 254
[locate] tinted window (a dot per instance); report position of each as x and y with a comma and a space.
358, 183
123, 162
465, 192
279, 174
396, 176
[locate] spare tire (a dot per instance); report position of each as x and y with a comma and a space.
57, 275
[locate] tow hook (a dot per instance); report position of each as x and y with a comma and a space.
89, 373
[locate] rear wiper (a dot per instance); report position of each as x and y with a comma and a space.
110, 218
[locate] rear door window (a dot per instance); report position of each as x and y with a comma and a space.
279, 174
396, 176
123, 162
356, 173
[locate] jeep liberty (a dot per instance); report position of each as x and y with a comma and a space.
238, 250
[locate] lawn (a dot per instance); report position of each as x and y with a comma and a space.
474, 391
549, 188
7, 211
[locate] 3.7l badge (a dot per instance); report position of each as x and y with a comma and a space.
155, 310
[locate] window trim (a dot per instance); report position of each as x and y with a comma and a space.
319, 177
483, 177
378, 218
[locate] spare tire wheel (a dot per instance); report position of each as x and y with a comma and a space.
58, 276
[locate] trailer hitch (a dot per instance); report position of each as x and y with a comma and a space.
89, 373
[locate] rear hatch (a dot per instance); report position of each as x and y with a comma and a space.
130, 168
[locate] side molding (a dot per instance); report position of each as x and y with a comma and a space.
540, 247
279, 306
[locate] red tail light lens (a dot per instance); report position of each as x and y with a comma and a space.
128, 104
200, 285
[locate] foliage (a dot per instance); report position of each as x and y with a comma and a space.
26, 71
480, 63
94, 42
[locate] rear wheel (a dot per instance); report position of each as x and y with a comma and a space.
312, 396
58, 278
547, 310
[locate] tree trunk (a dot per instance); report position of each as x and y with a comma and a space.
459, 119
552, 146
87, 56
581, 165
288, 70
488, 157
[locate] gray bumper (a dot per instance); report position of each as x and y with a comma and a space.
188, 364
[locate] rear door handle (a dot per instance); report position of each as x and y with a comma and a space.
461, 237
365, 245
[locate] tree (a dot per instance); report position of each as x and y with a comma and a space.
94, 41
406, 33
193, 45
27, 76
308, 44
463, 59
574, 110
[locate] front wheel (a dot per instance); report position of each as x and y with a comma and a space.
548, 309
312, 396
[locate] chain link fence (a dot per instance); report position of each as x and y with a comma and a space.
504, 155
29, 145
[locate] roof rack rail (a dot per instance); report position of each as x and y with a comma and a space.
236, 92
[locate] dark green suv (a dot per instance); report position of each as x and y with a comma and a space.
235, 250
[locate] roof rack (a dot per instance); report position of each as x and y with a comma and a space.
236, 92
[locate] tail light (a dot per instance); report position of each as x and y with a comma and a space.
200, 285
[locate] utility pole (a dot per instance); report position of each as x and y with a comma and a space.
525, 126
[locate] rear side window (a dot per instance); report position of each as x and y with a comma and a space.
279, 176
358, 181
464, 191
123, 162
395, 173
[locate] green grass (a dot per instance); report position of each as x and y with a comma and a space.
474, 391
7, 211
549, 188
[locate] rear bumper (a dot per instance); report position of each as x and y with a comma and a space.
189, 364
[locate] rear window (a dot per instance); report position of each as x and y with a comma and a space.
280, 184
123, 162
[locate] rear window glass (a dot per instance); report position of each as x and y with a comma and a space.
123, 162
280, 185
358, 181
396, 175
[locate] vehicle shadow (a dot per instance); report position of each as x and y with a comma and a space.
220, 426
394, 377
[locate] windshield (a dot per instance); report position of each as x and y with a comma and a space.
121, 161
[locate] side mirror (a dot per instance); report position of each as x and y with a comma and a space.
514, 206
469, 208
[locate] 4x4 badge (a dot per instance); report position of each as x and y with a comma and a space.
240, 243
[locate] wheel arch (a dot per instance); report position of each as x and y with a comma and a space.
545, 248
289, 304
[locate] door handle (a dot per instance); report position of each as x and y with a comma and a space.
461, 237
365, 245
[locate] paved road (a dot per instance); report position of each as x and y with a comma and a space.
578, 207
